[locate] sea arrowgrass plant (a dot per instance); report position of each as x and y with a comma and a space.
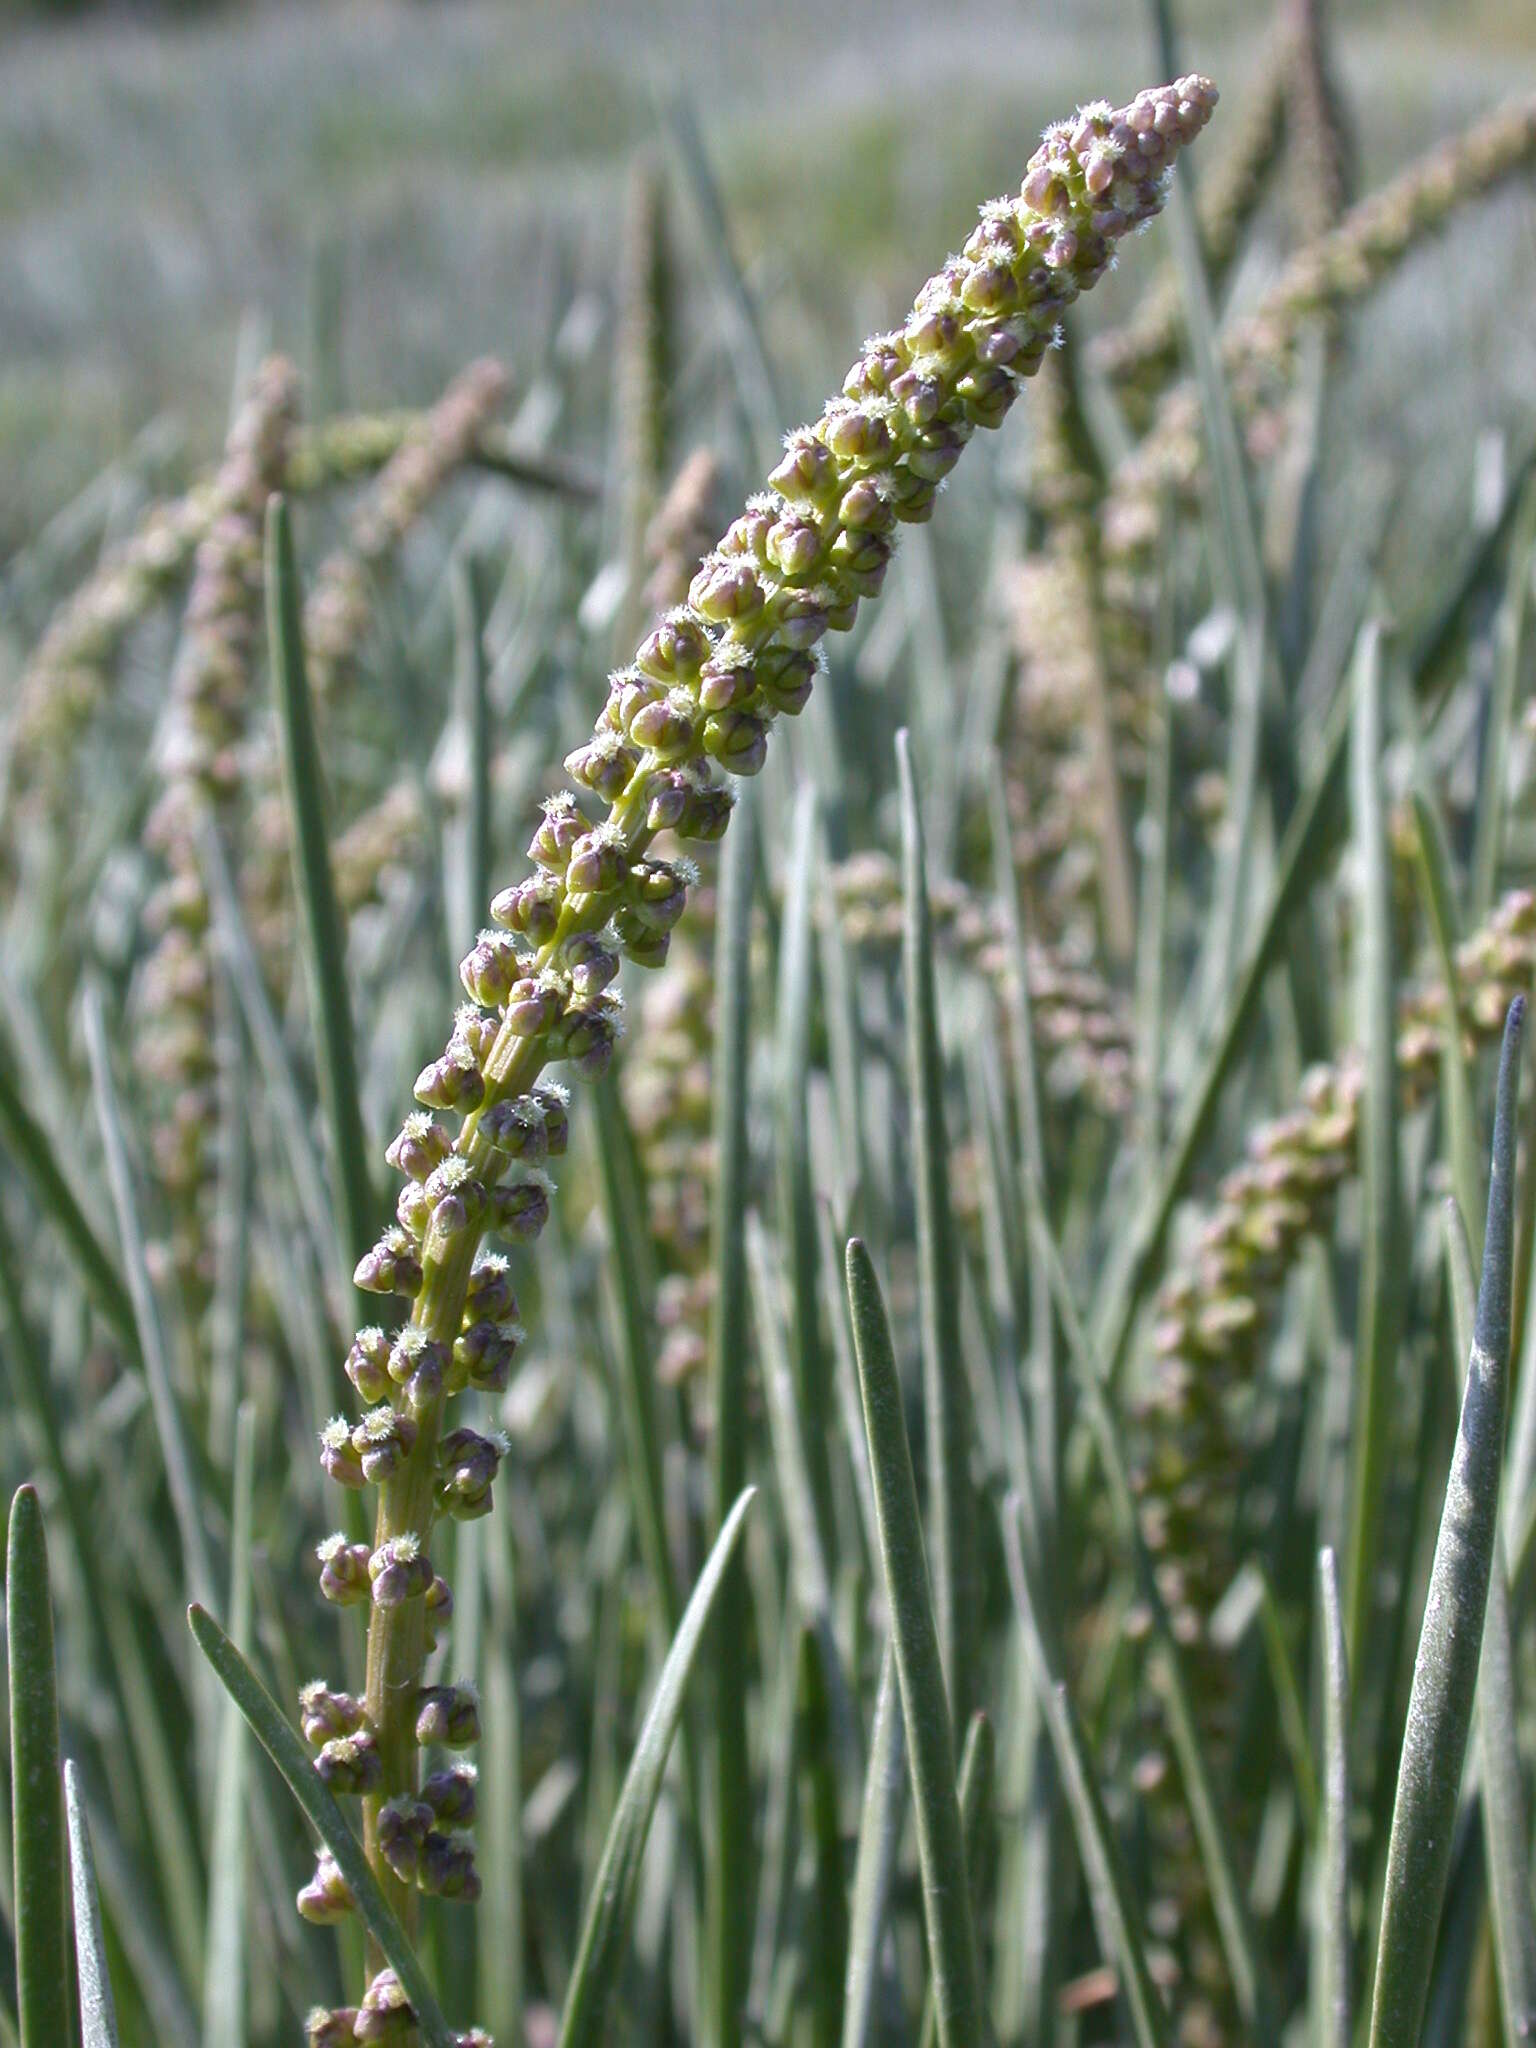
698, 702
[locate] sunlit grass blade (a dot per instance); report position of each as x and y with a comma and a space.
170, 1424
1506, 1842
1331, 1930
1434, 865
728, 1857
1380, 1293
37, 1801
1445, 1669
224, 2016
880, 1824
946, 1396
98, 2014
952, 1954
978, 1761
37, 1155
1115, 1913
609, 1914
323, 932
271, 1729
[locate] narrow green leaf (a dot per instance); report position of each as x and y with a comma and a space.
952, 1955
1450, 1640
977, 1762
946, 1396
224, 1981
1434, 864
1506, 1840
1115, 1912
1335, 1998
270, 1727
885, 1784
170, 1425
38, 1157
37, 1806
729, 1849
323, 932
98, 2015
606, 1931
1380, 1291
1492, 797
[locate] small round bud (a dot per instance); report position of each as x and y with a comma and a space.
708, 812
343, 1570
447, 1716
453, 1080
489, 969
367, 1364
451, 1795
555, 1103
533, 1007
323, 1713
439, 1606
400, 1571
675, 651
489, 1292
467, 1466
666, 726
605, 766
338, 1454
738, 740
385, 2013
515, 1126
598, 864
531, 907
330, 2027
520, 1210
384, 1440
402, 1829
590, 962
559, 829
448, 1869
392, 1267
327, 1898
725, 590
483, 1354
422, 1145
350, 1765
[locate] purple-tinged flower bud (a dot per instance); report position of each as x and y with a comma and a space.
489, 1289
451, 1081
666, 798
392, 1267
413, 1209
675, 650
386, 2013
724, 590
323, 1713
468, 1463
555, 1101
368, 1364
738, 740
604, 765
327, 1898
588, 1033
788, 674
598, 863
533, 1006
447, 1715
456, 1177
489, 969
708, 812
730, 678
856, 433
805, 615
665, 726
484, 1352
807, 472
531, 907
590, 962
859, 561
350, 1764
990, 288
474, 1032
418, 1363
560, 828
338, 1454
865, 506
448, 1869
794, 546
657, 892
520, 1210
404, 1825
938, 451
919, 398
986, 393
384, 1440
912, 497
452, 1796
439, 1606
647, 948
330, 2026
422, 1145
747, 536
343, 1570
515, 1126
400, 1570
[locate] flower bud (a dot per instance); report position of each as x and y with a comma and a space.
350, 1764
730, 678
489, 969
645, 947
520, 1210
368, 1364
562, 825
807, 471
422, 1145
805, 615
339, 1459
515, 1126
738, 740
489, 1292
666, 798
400, 1571
665, 727
724, 590
468, 1463
323, 1713
384, 1440
330, 2027
343, 1570
531, 907
484, 1352
707, 813
555, 1103
413, 1209
587, 1034
451, 1796
327, 1898
403, 1827
675, 650
787, 674
604, 765
533, 1006
392, 1267
656, 893
385, 2013
590, 962
448, 1869
447, 1716
439, 1606
598, 864
419, 1364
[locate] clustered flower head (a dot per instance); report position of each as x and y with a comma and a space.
696, 705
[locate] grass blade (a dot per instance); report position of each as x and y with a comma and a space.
1434, 864
324, 935
1115, 1913
1335, 1997
37, 1806
946, 1403
170, 1426
606, 1931
1450, 1640
224, 1983
879, 1841
1514, 615
98, 2015
924, 1700
270, 1727
978, 1761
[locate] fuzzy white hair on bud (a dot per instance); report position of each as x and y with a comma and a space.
336, 1433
